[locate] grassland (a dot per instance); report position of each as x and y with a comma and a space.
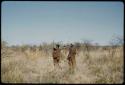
36, 66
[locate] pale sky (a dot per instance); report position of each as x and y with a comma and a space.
34, 22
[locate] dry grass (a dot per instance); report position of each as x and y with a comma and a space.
37, 67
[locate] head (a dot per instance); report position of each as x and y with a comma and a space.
71, 45
57, 45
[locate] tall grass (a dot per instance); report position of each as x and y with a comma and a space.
36, 66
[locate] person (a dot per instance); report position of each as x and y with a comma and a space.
71, 58
56, 55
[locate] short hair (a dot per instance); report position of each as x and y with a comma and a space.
71, 45
57, 45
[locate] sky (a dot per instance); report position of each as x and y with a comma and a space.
35, 22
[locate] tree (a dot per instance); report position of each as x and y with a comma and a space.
115, 42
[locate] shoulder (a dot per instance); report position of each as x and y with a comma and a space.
54, 49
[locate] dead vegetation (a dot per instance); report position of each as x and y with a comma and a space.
34, 64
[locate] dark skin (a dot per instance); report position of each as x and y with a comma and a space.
71, 58
56, 55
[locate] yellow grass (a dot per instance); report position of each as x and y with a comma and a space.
37, 67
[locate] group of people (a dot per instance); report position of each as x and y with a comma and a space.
71, 56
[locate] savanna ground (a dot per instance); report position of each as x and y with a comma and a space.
96, 65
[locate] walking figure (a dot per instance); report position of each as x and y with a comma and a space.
71, 58
56, 55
